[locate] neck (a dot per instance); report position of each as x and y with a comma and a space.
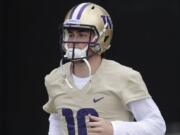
80, 68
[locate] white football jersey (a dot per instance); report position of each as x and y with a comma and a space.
111, 88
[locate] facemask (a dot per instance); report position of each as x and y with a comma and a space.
78, 53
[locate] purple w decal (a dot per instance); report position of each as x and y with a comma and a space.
107, 21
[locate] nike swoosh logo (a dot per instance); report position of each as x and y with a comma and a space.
97, 99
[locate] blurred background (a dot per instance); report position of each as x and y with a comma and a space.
146, 38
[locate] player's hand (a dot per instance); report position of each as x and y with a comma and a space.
99, 126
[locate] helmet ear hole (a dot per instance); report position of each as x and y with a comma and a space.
92, 7
106, 38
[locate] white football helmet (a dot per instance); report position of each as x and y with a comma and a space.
97, 20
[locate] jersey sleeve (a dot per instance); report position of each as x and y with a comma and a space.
49, 106
51, 87
135, 88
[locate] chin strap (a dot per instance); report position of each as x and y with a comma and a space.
65, 74
89, 67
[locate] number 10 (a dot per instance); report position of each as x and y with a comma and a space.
68, 113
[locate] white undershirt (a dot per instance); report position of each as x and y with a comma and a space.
149, 120
80, 82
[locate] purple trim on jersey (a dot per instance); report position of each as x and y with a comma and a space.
81, 10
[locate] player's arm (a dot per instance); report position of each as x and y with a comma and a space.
148, 121
54, 124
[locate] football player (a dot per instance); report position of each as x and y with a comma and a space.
90, 95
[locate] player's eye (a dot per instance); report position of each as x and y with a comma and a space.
84, 34
71, 35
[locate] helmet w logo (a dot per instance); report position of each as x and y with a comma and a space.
107, 21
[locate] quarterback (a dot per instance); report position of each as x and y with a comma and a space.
91, 95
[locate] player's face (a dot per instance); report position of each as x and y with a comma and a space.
79, 38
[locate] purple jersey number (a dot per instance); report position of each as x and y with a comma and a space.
68, 114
